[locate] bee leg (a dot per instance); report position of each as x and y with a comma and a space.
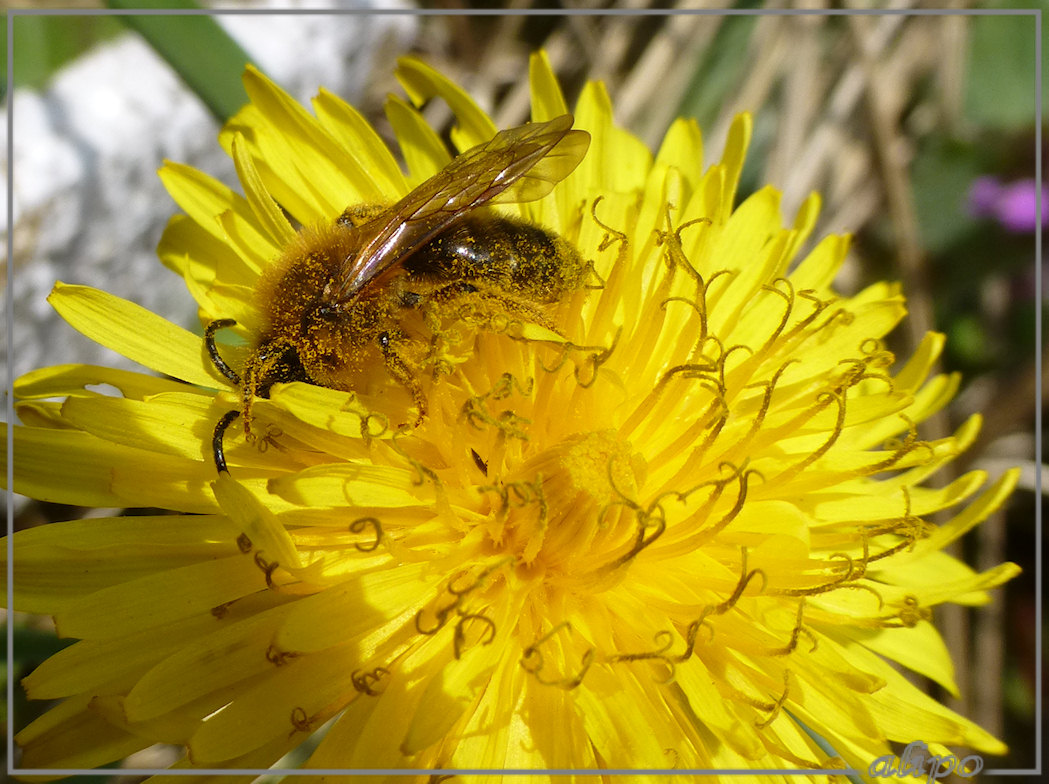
520, 308
217, 451
456, 290
359, 214
401, 373
503, 303
274, 361
213, 351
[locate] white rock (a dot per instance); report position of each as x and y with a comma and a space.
88, 206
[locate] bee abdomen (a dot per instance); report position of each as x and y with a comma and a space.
521, 257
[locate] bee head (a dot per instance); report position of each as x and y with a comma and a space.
273, 362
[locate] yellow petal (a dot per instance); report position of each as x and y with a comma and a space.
919, 648
70, 467
134, 332
187, 590
548, 101
421, 147
193, 670
76, 380
204, 199
378, 172
355, 607
71, 736
291, 699
447, 695
272, 222
258, 522
421, 82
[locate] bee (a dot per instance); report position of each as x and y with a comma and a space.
375, 285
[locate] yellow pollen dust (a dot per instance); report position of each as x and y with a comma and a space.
603, 466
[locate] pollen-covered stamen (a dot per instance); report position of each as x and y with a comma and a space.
796, 632
711, 507
556, 644
432, 619
485, 636
672, 240
777, 706
279, 658
664, 640
300, 720
366, 682
359, 525
268, 568
911, 613
588, 359
478, 412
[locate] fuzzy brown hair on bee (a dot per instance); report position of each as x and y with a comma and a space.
366, 288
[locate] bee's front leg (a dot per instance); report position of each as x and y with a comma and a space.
403, 374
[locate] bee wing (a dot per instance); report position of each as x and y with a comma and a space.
553, 166
518, 164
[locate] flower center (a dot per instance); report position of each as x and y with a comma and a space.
570, 508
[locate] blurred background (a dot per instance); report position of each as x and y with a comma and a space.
919, 130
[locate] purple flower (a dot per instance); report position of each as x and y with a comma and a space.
1013, 205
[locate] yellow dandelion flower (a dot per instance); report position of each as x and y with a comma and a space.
672, 516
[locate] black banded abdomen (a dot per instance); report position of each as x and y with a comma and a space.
514, 255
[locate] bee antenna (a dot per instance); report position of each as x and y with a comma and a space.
217, 450
213, 351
